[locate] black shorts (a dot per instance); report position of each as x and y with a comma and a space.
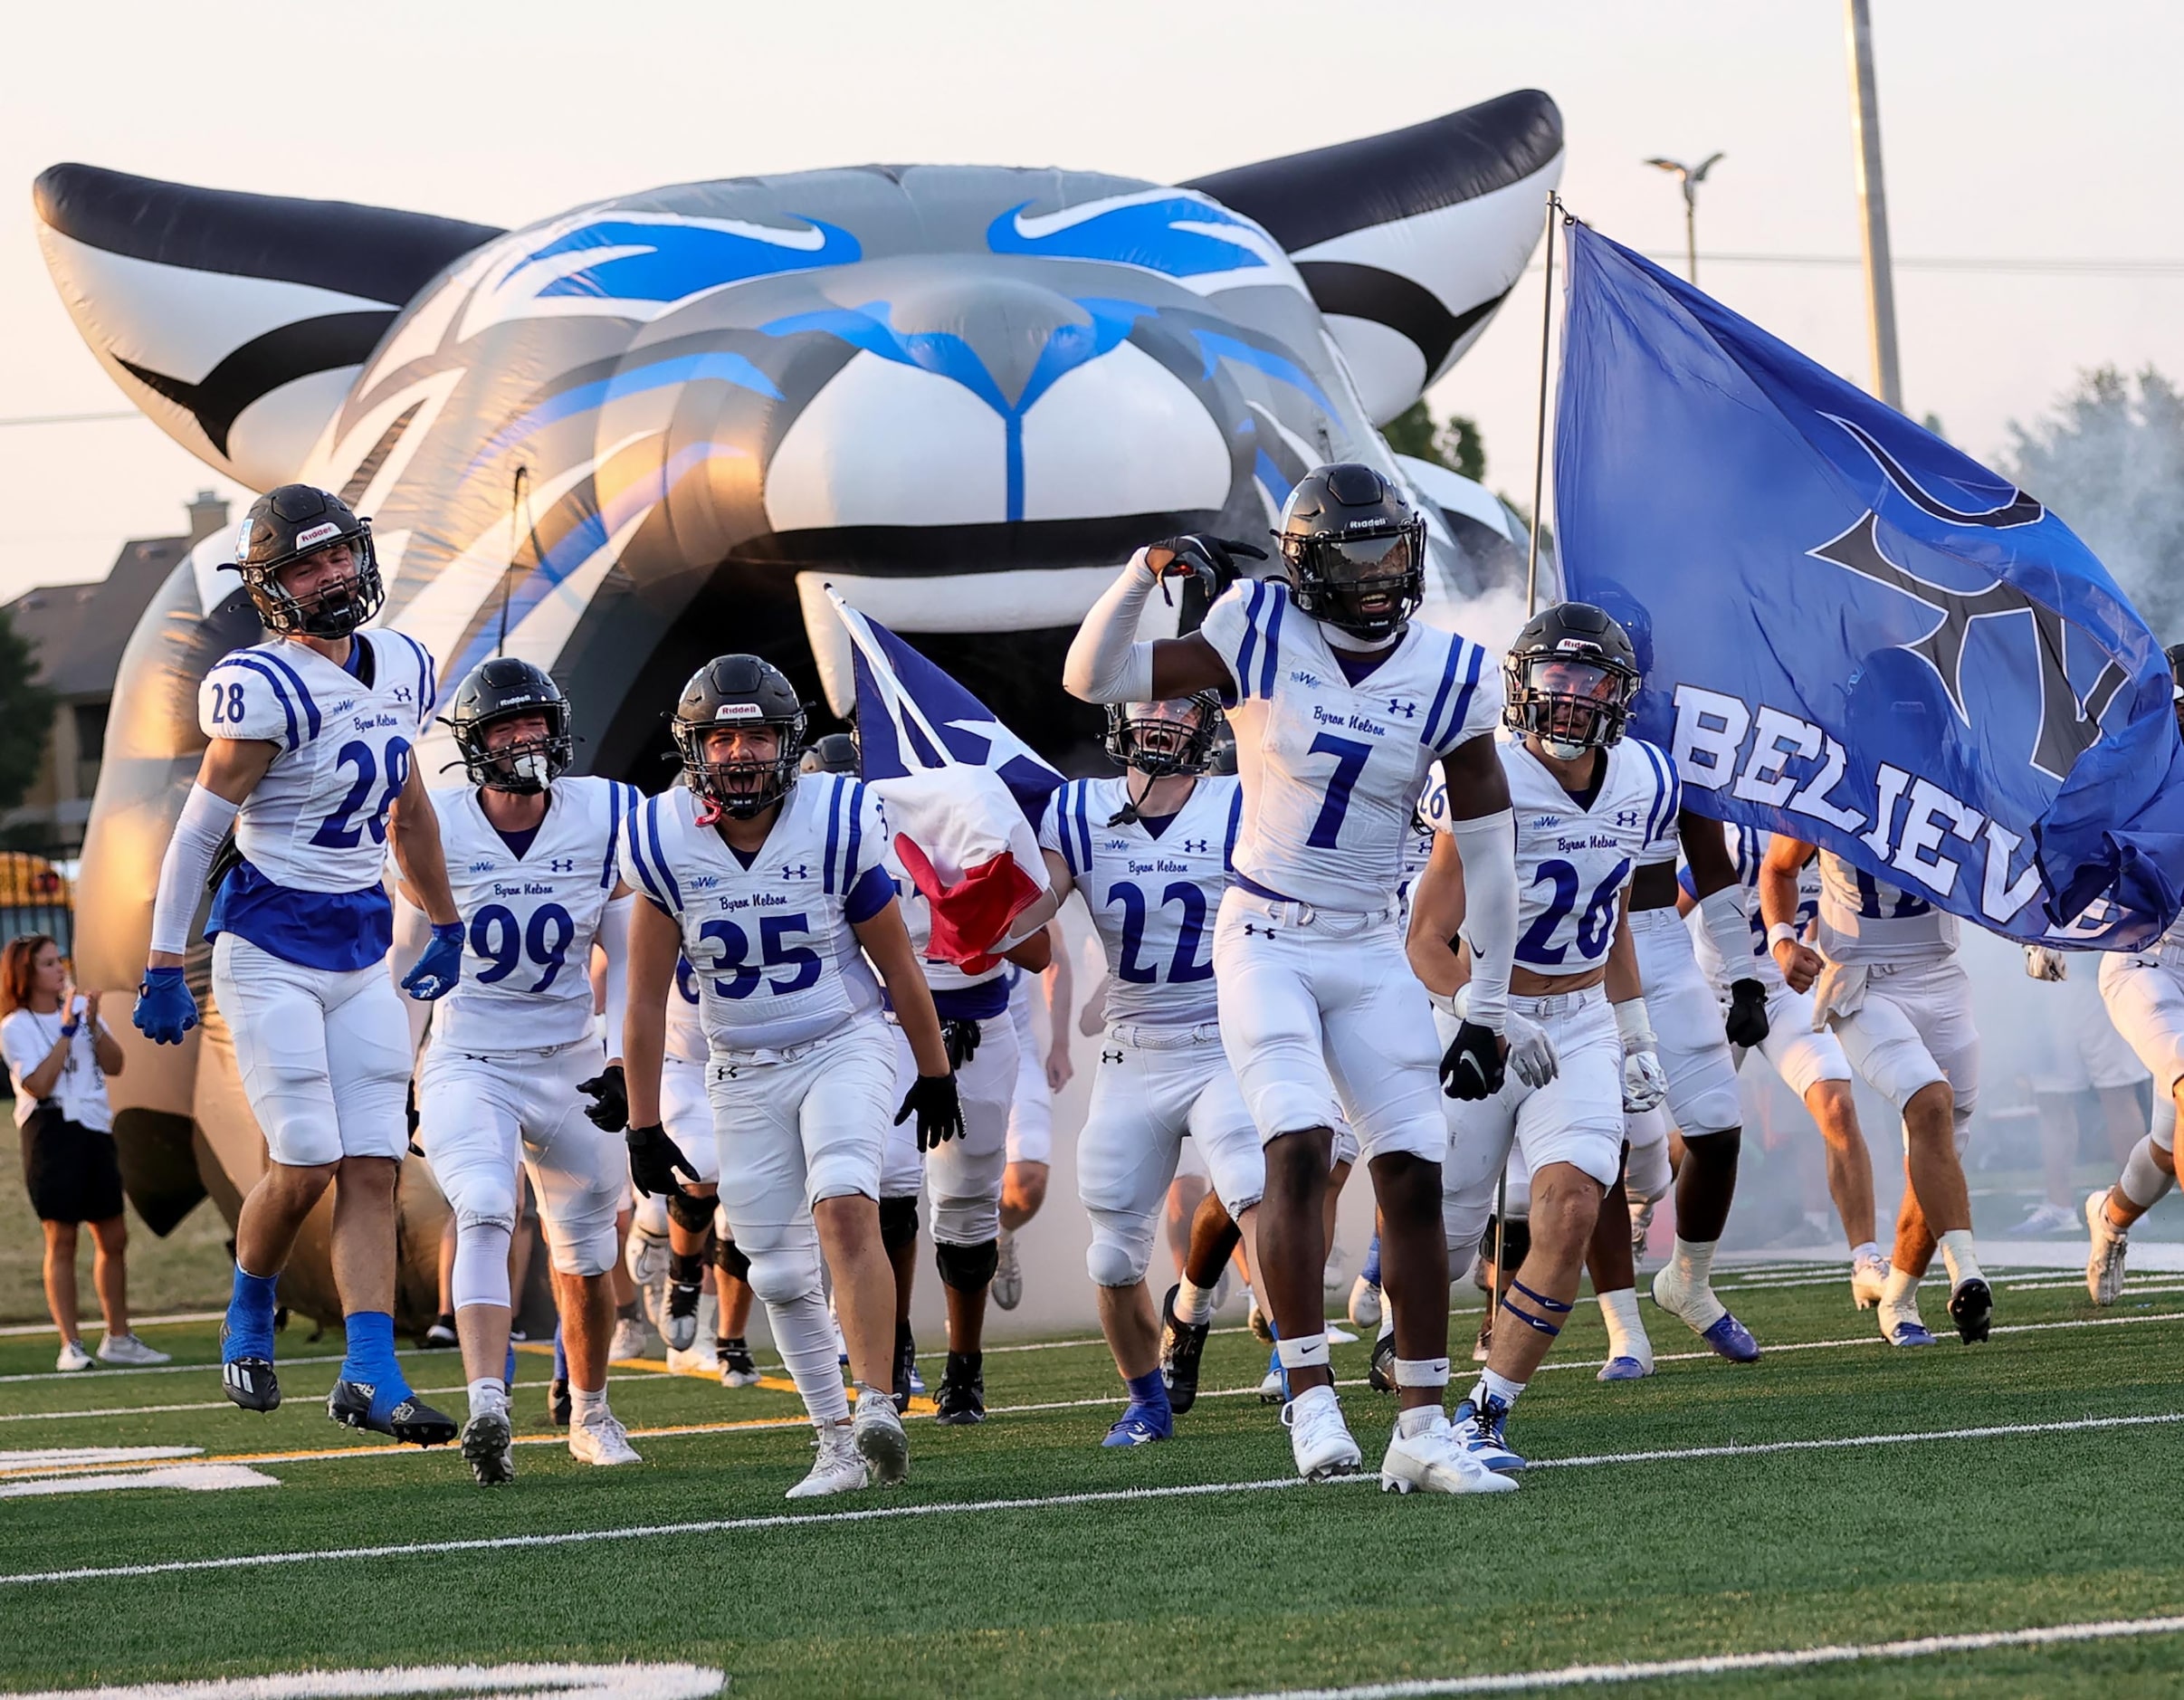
71, 1172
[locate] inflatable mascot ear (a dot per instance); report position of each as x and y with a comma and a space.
235, 322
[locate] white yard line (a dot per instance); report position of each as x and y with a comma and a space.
1730, 1664
520, 1682
21, 1330
724, 1525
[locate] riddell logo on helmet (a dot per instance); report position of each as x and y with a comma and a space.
318, 534
739, 711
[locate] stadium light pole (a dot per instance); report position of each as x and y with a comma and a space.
1690, 177
1873, 204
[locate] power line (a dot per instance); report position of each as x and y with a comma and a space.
2002, 266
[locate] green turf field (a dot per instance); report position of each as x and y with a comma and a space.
2037, 1481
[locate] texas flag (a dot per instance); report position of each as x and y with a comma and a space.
961, 793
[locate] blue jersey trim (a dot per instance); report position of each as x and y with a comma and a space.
1251, 599
310, 709
1278, 598
982, 1002
636, 857
251, 664
850, 876
1085, 847
615, 805
338, 930
652, 827
1257, 890
873, 893
1662, 789
833, 832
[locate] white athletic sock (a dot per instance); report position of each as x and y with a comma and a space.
1901, 1289
487, 1393
1625, 1333
586, 1407
1193, 1304
1693, 1262
1868, 1251
1687, 1285
1412, 1423
1957, 1253
804, 1334
1489, 1385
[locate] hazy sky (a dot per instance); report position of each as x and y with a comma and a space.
2014, 131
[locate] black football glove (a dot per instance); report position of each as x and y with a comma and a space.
654, 1159
1211, 561
931, 1098
610, 1108
1747, 1021
961, 1037
1471, 1067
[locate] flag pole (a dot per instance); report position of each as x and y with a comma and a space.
1538, 450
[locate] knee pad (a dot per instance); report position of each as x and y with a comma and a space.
965, 1221
1516, 1241
898, 1223
2144, 1183
588, 1249
966, 1268
695, 1214
730, 1260
1121, 1248
782, 1277
650, 1215
494, 1212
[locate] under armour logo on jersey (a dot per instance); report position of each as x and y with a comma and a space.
1628, 818
1196, 847
401, 693
802, 871
1110, 1056
1251, 931
1396, 705
562, 865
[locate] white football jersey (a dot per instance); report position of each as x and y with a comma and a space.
1330, 771
1748, 849
1430, 816
685, 1024
770, 943
527, 960
1866, 920
317, 821
1152, 900
1574, 863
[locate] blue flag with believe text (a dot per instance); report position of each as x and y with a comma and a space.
1852, 632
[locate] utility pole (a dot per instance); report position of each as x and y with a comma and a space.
1872, 203
1690, 177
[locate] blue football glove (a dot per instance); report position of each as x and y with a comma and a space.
440, 968
165, 1009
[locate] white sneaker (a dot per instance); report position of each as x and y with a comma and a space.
1868, 1281
1338, 1335
646, 1256
1435, 1462
2044, 1219
840, 1467
878, 1435
2103, 1264
1335, 1275
1365, 1303
632, 1339
1318, 1436
1008, 1274
602, 1440
127, 1349
700, 1358
72, 1356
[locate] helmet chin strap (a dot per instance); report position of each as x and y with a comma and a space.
1561, 752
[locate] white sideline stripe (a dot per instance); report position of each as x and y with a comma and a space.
1725, 1664
573, 1682
196, 1478
104, 1371
221, 1404
53, 1457
18, 1331
726, 1525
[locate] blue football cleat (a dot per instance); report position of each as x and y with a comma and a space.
246, 1372
1622, 1369
1731, 1339
1479, 1431
1140, 1426
1909, 1335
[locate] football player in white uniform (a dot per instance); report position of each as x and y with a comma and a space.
1811, 1063
775, 892
1885, 979
512, 1060
308, 764
1589, 801
2144, 993
1342, 703
1148, 853
1030, 1111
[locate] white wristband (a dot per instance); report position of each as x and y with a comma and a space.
1633, 1023
1780, 932
1457, 1003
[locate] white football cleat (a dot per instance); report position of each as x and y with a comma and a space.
1868, 1281
1435, 1462
72, 1356
877, 1432
1009, 1273
127, 1349
840, 1467
1334, 1276
1318, 1438
2111, 1246
1365, 1303
701, 1359
603, 1440
632, 1339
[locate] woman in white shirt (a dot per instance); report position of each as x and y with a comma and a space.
59, 1054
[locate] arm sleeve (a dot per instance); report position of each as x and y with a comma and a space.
1728, 925
613, 940
206, 819
246, 696
1106, 663
1488, 848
